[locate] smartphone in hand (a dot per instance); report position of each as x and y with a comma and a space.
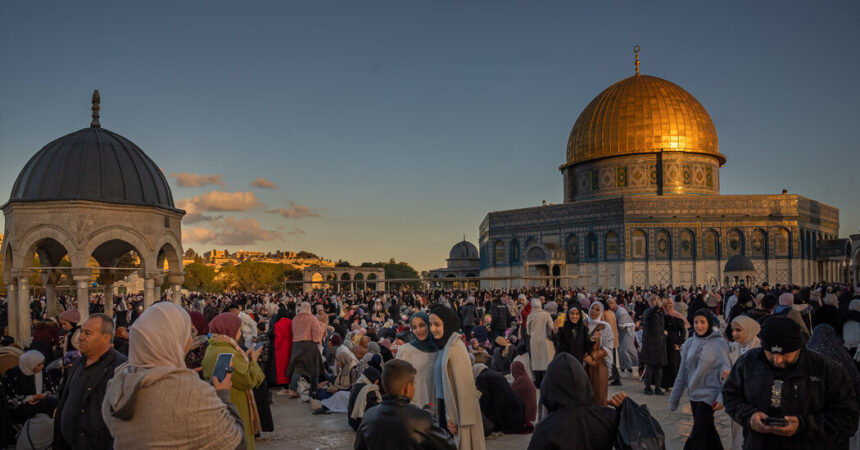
222, 366
259, 345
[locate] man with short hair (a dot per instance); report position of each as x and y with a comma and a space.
788, 397
395, 423
78, 422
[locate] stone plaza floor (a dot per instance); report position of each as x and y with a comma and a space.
296, 428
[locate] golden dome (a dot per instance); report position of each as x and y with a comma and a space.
642, 114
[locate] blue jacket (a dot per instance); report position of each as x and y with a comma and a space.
702, 362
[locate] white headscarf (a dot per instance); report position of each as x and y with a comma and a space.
830, 299
28, 362
536, 305
159, 337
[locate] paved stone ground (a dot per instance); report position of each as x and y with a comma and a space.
297, 429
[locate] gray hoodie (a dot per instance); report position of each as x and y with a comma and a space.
703, 359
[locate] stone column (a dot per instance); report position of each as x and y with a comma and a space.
158, 282
12, 309
25, 324
176, 281
108, 297
82, 283
148, 291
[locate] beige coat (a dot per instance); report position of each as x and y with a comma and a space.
541, 348
423, 364
461, 395
167, 407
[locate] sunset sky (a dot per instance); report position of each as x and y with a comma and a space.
364, 130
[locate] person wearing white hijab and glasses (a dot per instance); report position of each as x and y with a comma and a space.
29, 391
155, 401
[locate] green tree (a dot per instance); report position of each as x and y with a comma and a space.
200, 277
341, 263
306, 255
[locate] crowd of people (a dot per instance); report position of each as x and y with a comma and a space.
440, 369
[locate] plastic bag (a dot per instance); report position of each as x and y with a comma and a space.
637, 429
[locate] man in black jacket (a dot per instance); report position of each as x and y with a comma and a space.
784, 381
500, 317
78, 422
395, 423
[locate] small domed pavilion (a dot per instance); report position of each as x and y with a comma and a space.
89, 195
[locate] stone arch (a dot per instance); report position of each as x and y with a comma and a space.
639, 244
30, 241
735, 244
498, 252
515, 251
758, 243
371, 281
359, 281
317, 280
170, 243
711, 244
687, 247
127, 235
782, 243
8, 262
663, 244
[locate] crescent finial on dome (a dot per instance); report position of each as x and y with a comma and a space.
96, 100
636, 51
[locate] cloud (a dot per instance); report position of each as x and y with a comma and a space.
244, 232
192, 234
295, 232
184, 179
296, 211
261, 182
219, 201
196, 217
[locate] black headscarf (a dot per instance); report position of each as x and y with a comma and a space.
709, 316
565, 384
579, 327
372, 374
450, 322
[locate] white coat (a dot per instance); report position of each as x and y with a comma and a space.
541, 348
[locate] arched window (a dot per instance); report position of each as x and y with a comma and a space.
758, 243
572, 248
515, 251
736, 243
639, 245
591, 246
499, 252
782, 243
530, 241
611, 245
710, 247
663, 247
688, 245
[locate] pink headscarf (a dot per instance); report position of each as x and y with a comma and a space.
670, 310
227, 324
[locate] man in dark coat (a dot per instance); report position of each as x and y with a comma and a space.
468, 314
395, 423
653, 350
78, 422
502, 409
783, 380
500, 317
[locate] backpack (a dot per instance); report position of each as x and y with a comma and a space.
37, 433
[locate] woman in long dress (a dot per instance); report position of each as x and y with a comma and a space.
421, 353
540, 327
676, 333
454, 384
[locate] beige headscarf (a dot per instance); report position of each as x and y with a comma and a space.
159, 337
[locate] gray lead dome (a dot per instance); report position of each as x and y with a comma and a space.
93, 164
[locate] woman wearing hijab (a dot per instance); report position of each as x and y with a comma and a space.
676, 327
454, 386
652, 353
346, 370
226, 330
573, 336
69, 322
199, 343
851, 327
154, 401
525, 390
595, 364
824, 341
744, 338
363, 396
574, 420
421, 353
503, 410
540, 328
704, 358
829, 313
29, 390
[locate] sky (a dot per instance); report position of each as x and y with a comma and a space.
370, 130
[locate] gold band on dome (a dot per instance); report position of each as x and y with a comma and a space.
639, 115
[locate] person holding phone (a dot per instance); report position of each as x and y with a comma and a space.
704, 357
155, 401
226, 331
788, 397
